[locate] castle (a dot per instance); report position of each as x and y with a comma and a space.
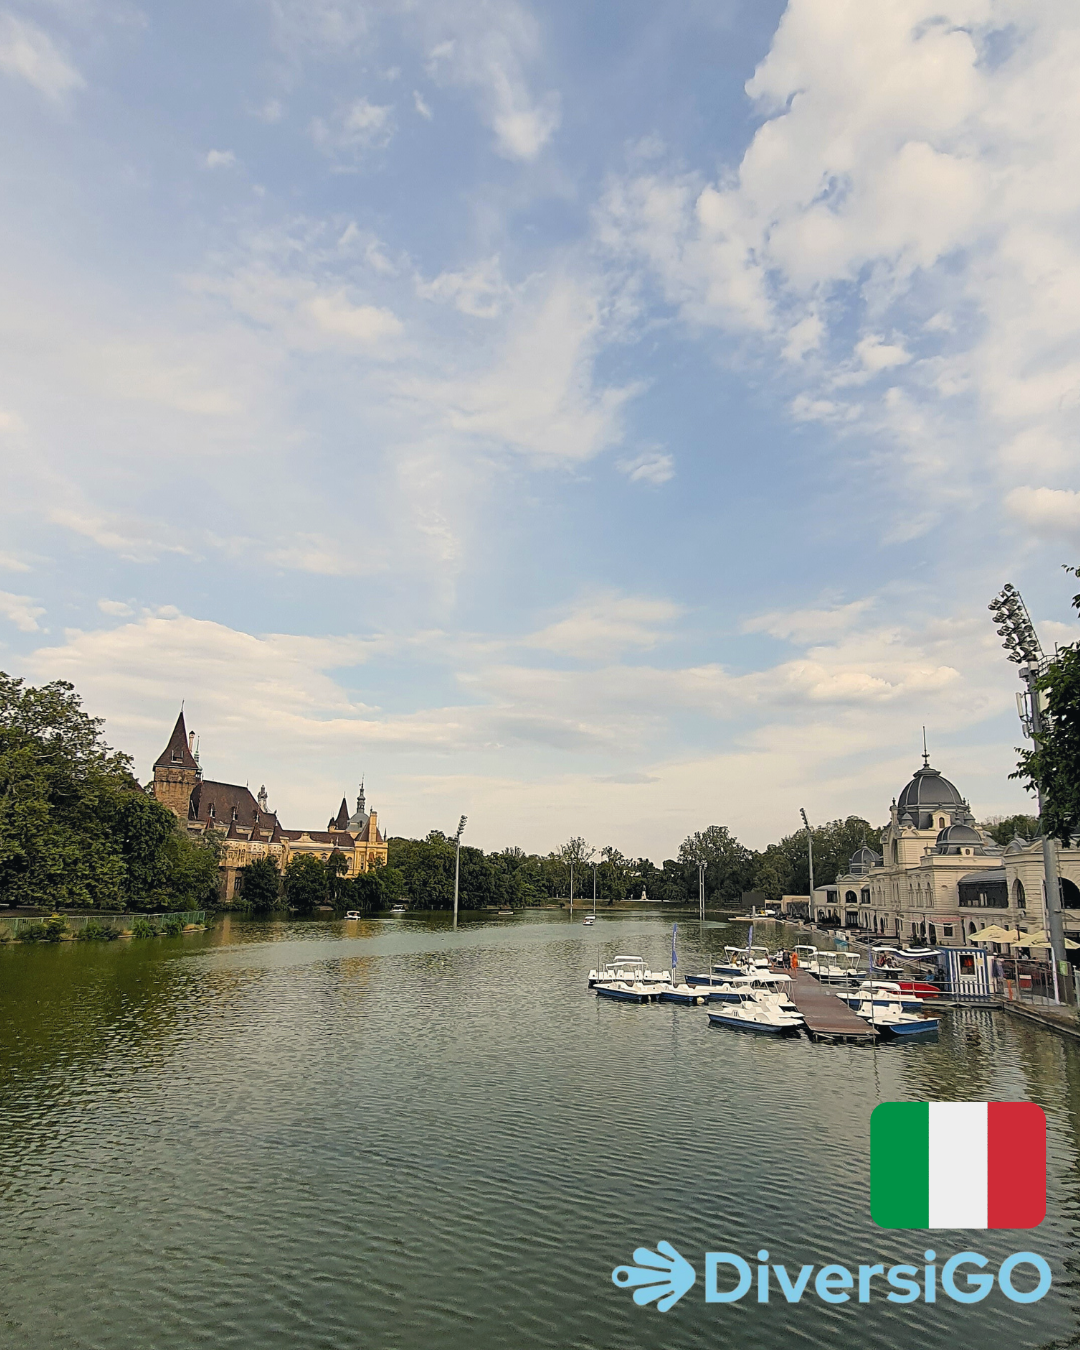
248, 828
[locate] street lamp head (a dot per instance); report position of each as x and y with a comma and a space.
461, 827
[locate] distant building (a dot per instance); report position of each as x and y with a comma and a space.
938, 878
248, 828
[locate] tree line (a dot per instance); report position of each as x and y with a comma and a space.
420, 873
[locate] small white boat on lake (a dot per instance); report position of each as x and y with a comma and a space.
352, 915
830, 967
881, 992
762, 1016
628, 967
889, 1019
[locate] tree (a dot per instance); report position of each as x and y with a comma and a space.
304, 882
575, 853
260, 885
1003, 829
76, 829
336, 866
1053, 767
729, 865
784, 869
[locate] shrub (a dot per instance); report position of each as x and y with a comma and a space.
93, 931
33, 932
55, 927
173, 926
142, 928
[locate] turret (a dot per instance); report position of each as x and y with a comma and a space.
176, 771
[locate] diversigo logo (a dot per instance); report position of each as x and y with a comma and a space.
943, 1165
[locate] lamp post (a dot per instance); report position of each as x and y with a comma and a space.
810, 860
701, 891
1022, 644
457, 862
594, 867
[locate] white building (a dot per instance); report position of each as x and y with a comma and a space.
938, 878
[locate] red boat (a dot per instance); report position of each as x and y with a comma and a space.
919, 987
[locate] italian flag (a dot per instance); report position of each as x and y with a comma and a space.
957, 1165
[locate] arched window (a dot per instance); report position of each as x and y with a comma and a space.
941, 822
1019, 894
850, 898
1070, 894
895, 851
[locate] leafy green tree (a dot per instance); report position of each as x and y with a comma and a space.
729, 865
1053, 767
336, 866
304, 882
260, 885
784, 869
76, 830
1003, 829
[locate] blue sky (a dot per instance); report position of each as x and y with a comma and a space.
596, 427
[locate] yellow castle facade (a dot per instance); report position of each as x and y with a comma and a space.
246, 826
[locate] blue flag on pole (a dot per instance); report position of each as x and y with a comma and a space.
750, 938
674, 958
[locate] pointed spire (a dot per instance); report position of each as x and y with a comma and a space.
925, 752
177, 754
360, 799
341, 821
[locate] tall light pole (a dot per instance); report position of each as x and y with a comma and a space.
1022, 644
457, 862
701, 866
594, 867
810, 860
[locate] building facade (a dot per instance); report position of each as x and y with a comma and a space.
938, 878
246, 826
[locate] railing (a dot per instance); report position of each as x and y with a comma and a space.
12, 924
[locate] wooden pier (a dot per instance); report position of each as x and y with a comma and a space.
827, 1018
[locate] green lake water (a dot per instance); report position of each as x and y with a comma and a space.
391, 1134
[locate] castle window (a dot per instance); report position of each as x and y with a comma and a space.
941, 822
946, 930
1019, 894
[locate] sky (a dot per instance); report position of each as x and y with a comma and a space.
606, 421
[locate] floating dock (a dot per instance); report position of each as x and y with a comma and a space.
827, 1018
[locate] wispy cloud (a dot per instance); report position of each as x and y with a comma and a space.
29, 53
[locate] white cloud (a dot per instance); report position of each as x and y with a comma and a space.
115, 608
653, 466
421, 107
810, 625
358, 127
490, 50
21, 611
10, 563
1047, 511
367, 324
220, 159
28, 52
479, 291
538, 396
911, 179
136, 541
608, 624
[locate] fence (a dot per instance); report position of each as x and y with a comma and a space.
11, 925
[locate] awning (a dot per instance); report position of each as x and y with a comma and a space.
995, 933
1042, 939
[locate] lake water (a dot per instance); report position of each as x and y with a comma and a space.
390, 1134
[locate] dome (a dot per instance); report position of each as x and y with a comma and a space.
960, 839
928, 792
862, 860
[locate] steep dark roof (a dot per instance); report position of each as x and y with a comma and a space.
223, 803
176, 754
341, 820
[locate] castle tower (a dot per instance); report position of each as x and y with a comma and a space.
176, 772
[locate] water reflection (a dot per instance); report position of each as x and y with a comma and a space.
389, 1133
